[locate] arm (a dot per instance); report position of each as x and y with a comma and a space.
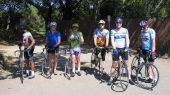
81, 39
59, 41
153, 44
107, 39
46, 40
95, 39
127, 40
32, 42
112, 42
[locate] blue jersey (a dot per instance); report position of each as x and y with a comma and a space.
119, 37
147, 38
53, 37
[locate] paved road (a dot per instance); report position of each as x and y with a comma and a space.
84, 85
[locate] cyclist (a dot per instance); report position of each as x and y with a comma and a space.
101, 39
75, 38
148, 42
120, 41
52, 41
28, 43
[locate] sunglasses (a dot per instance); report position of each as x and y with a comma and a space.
101, 24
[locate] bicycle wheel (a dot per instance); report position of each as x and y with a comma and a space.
147, 76
134, 67
68, 68
123, 76
92, 60
45, 68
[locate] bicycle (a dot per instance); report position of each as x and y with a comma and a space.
121, 71
69, 67
147, 74
45, 66
21, 64
98, 61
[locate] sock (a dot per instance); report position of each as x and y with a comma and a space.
78, 68
151, 77
111, 78
50, 69
32, 72
155, 79
129, 78
27, 71
55, 69
74, 70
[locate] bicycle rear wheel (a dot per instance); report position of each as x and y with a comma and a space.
134, 67
68, 68
123, 76
147, 76
46, 68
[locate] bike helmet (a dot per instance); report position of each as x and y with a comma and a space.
119, 20
143, 23
101, 22
53, 23
75, 25
22, 26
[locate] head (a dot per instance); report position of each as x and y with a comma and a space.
118, 22
53, 26
22, 28
144, 25
75, 27
101, 24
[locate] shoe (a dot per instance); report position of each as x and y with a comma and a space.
31, 76
55, 72
25, 75
110, 82
131, 82
49, 72
149, 80
79, 74
104, 73
72, 74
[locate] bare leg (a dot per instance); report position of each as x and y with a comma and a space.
55, 60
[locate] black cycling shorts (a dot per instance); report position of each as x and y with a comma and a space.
53, 51
115, 56
144, 52
103, 53
29, 55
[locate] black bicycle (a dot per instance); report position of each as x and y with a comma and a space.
98, 61
145, 73
121, 72
21, 64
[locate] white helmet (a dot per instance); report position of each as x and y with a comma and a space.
53, 24
101, 22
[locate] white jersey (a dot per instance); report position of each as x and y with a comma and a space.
146, 38
119, 37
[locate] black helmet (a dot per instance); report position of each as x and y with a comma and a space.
22, 26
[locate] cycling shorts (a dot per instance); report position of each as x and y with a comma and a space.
75, 50
53, 51
115, 56
29, 54
103, 53
144, 52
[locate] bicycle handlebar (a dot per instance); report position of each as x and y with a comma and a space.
19, 51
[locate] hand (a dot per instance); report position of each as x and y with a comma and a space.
96, 46
72, 37
153, 52
28, 49
126, 49
46, 46
115, 51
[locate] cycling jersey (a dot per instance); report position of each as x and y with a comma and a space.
147, 39
75, 42
119, 37
53, 37
101, 36
26, 39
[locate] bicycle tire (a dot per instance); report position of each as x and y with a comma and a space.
123, 74
143, 80
134, 67
68, 68
45, 68
92, 59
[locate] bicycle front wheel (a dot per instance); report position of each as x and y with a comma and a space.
68, 68
134, 67
147, 76
92, 60
123, 76
46, 69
